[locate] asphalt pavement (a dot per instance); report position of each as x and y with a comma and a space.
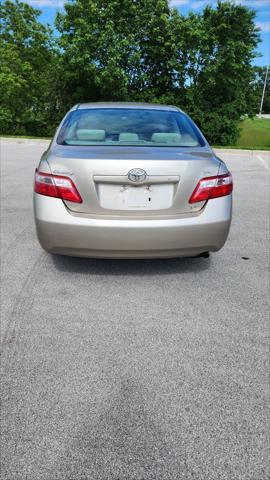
134, 370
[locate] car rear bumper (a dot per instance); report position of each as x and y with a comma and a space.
62, 232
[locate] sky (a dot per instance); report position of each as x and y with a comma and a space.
262, 8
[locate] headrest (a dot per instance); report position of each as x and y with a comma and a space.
90, 135
128, 137
163, 137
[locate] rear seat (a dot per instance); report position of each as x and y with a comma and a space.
88, 135
128, 137
166, 137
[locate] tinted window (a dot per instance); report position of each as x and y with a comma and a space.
124, 126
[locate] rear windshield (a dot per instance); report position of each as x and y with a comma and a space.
126, 126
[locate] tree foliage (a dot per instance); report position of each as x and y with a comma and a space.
116, 49
128, 50
27, 61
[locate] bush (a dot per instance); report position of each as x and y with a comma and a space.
219, 129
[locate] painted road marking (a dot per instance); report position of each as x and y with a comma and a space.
263, 162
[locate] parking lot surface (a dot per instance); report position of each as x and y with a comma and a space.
134, 370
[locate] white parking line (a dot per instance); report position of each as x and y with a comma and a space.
263, 162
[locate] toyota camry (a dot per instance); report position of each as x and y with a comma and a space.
131, 180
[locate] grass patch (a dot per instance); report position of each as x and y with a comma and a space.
255, 134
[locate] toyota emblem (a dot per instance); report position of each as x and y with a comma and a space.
137, 175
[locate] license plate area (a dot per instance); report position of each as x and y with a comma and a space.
129, 197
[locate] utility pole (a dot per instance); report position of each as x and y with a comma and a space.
263, 93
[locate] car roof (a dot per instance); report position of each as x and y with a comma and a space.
152, 106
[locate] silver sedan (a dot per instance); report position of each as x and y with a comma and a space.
130, 180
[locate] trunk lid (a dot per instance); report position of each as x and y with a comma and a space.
101, 176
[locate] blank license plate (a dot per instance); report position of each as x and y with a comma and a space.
127, 197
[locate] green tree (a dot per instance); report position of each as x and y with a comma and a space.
219, 69
26, 59
128, 50
116, 49
143, 50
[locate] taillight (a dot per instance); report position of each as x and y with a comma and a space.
56, 186
212, 187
